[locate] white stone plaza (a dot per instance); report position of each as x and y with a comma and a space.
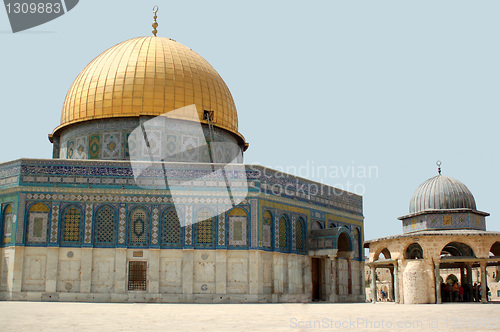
60, 316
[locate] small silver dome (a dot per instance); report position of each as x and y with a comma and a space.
440, 193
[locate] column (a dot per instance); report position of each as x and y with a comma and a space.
334, 280
484, 294
469, 282
390, 296
463, 280
439, 300
374, 284
396, 282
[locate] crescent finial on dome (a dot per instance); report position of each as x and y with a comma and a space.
438, 163
155, 24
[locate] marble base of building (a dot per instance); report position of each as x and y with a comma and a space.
170, 276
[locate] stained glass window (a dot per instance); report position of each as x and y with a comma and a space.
283, 233
171, 227
105, 224
71, 222
205, 228
139, 226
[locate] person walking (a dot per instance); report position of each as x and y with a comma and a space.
460, 293
455, 292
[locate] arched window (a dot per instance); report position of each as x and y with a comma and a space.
237, 222
457, 249
495, 249
171, 228
283, 228
38, 216
414, 251
316, 225
343, 242
267, 230
138, 226
383, 254
7, 223
205, 229
300, 236
105, 218
72, 218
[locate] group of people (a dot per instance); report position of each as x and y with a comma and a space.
455, 292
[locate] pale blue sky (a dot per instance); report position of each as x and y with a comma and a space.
395, 85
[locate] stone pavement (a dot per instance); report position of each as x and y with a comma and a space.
57, 316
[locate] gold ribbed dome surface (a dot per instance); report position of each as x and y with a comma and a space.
148, 76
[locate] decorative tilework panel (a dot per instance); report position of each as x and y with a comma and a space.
267, 230
238, 230
276, 231
37, 227
189, 215
121, 224
190, 145
293, 233
112, 145
81, 148
130, 145
20, 221
88, 223
222, 230
70, 150
171, 227
253, 221
94, 146
155, 225
105, 224
54, 223
447, 220
188, 235
71, 221
172, 147
152, 148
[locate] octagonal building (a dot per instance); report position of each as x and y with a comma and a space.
443, 231
147, 199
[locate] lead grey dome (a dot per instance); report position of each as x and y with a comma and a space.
440, 193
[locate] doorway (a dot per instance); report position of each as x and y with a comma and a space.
316, 276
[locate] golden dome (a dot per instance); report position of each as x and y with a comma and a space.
148, 76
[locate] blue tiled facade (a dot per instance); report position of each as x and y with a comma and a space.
87, 187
